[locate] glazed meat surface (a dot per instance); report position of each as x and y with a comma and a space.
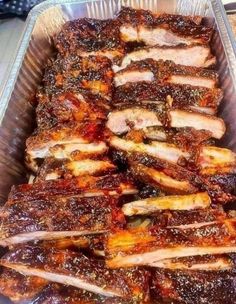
116, 184
166, 72
195, 55
55, 169
143, 26
145, 246
52, 218
90, 37
75, 269
189, 287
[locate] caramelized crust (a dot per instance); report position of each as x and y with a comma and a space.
88, 186
180, 25
19, 288
90, 36
77, 270
182, 96
53, 218
190, 287
92, 73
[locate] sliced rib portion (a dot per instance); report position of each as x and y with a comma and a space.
146, 246
153, 204
138, 118
157, 149
182, 217
39, 145
144, 26
198, 121
122, 121
55, 169
90, 37
206, 263
75, 269
20, 288
87, 186
62, 107
54, 218
92, 73
215, 160
163, 181
166, 71
211, 287
61, 294
175, 95
196, 55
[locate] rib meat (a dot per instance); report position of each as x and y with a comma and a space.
55, 169
54, 218
145, 246
65, 140
144, 26
75, 269
117, 184
19, 288
198, 121
166, 72
175, 95
134, 117
153, 204
87, 36
92, 73
190, 287
162, 150
195, 55
68, 106
206, 263
61, 294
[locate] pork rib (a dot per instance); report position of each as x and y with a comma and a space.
75, 269
55, 169
20, 288
153, 204
165, 72
90, 37
164, 29
147, 246
52, 218
175, 95
189, 287
116, 184
195, 55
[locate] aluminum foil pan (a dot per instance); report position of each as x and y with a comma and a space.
44, 21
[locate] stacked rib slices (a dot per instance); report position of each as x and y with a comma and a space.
127, 202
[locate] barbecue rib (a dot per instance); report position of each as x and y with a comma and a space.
55, 169
146, 246
195, 55
116, 184
61, 294
87, 36
63, 141
165, 72
206, 263
190, 287
75, 269
175, 95
134, 117
54, 218
68, 106
92, 73
19, 288
144, 26
153, 204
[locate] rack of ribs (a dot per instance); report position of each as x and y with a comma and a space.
130, 194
